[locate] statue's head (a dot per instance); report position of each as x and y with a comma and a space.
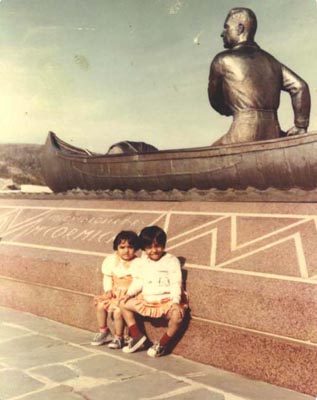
240, 26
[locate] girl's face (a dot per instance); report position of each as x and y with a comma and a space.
155, 251
125, 251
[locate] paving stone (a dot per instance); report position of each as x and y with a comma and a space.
13, 316
198, 394
58, 393
103, 366
56, 373
246, 388
153, 384
63, 332
56, 352
14, 383
45, 326
27, 344
8, 332
222, 380
175, 364
81, 383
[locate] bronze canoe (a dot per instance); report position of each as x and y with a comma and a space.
280, 163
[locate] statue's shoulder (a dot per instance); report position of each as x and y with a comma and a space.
223, 54
270, 59
221, 57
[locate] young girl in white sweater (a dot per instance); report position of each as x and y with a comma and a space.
156, 291
117, 277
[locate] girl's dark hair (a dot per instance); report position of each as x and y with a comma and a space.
131, 237
152, 234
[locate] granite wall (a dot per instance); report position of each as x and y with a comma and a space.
250, 270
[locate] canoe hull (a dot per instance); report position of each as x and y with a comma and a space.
282, 163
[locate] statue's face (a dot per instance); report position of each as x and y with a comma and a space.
230, 34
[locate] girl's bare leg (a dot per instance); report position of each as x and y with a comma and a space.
175, 317
137, 337
174, 322
104, 334
118, 323
128, 310
101, 315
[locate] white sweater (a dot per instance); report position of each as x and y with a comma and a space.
114, 265
157, 279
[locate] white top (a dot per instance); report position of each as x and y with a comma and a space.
157, 279
114, 265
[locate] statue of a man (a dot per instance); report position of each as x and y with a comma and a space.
246, 82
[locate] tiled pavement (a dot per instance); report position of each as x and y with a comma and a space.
45, 360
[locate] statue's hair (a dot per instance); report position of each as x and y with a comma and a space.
247, 17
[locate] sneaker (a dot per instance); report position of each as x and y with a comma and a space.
134, 344
156, 350
116, 343
101, 338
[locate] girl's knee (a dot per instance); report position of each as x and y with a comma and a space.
100, 307
117, 314
128, 305
176, 318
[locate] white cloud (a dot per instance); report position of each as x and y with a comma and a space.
176, 7
197, 38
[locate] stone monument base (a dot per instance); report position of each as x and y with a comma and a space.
250, 271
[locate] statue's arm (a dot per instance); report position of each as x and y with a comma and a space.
299, 92
215, 89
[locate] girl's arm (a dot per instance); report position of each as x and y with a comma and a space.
137, 282
106, 269
175, 278
176, 282
107, 283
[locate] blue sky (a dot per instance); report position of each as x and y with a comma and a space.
100, 71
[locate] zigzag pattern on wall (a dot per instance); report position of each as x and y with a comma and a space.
273, 244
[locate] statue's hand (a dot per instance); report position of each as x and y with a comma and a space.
296, 131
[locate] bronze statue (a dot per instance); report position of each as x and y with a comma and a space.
246, 82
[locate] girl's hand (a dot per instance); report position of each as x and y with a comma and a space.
104, 298
125, 298
107, 295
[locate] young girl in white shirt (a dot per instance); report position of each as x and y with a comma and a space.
117, 277
157, 285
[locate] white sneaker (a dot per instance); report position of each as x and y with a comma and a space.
116, 343
134, 344
101, 338
156, 350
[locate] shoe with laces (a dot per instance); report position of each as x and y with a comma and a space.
116, 343
134, 344
156, 350
101, 338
